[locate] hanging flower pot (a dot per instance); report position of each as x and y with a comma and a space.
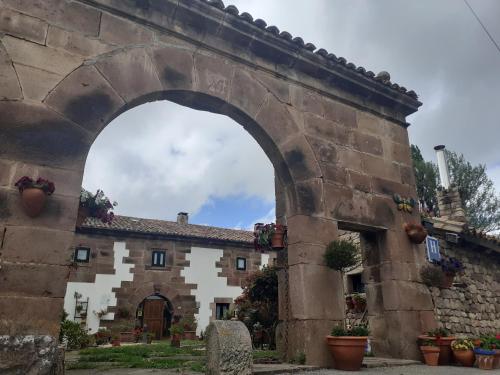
95, 205
34, 194
415, 232
278, 237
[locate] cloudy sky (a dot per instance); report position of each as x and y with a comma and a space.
160, 158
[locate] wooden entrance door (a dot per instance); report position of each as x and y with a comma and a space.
153, 316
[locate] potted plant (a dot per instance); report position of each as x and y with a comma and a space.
442, 338
432, 276
415, 232
94, 205
347, 347
126, 332
485, 357
431, 352
189, 326
176, 332
34, 194
269, 236
150, 337
115, 339
359, 303
490, 343
102, 336
349, 301
463, 351
450, 267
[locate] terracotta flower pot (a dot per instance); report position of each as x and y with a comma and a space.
33, 200
189, 335
444, 345
431, 355
176, 341
278, 238
465, 357
115, 342
416, 232
347, 351
485, 361
496, 361
83, 213
447, 281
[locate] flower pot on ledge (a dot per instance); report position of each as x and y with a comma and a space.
278, 237
431, 355
415, 232
347, 351
444, 346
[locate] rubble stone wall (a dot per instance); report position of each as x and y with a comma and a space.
472, 306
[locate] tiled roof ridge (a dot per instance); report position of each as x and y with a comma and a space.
382, 77
170, 228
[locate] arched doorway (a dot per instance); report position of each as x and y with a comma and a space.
154, 314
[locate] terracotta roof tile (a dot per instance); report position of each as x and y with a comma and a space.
170, 228
329, 58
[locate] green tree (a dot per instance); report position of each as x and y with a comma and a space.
479, 198
426, 178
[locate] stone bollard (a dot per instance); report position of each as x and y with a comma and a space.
229, 348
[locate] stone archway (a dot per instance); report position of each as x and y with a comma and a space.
335, 134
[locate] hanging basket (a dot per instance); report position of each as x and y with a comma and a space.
33, 200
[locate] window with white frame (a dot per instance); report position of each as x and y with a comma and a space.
241, 264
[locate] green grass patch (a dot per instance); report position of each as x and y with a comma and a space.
267, 354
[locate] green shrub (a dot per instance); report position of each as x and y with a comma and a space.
354, 331
75, 336
341, 255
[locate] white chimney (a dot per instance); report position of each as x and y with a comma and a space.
182, 218
444, 175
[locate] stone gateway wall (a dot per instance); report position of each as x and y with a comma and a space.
472, 306
334, 132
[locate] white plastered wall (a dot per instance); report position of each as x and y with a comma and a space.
100, 293
203, 272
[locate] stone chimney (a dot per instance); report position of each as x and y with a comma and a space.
448, 197
182, 218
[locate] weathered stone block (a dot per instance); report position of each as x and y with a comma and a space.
340, 113
214, 75
325, 151
404, 295
41, 57
372, 124
278, 87
76, 43
246, 93
277, 121
44, 280
334, 173
306, 100
328, 130
310, 198
310, 283
368, 143
37, 245
131, 73
23, 26
36, 83
115, 30
174, 67
375, 166
86, 98
302, 253
37, 134
360, 181
71, 16
229, 348
300, 159
30, 355
313, 230
39, 315
350, 159
10, 88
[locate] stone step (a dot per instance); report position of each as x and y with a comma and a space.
281, 368
372, 362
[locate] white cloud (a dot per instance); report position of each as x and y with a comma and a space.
270, 217
160, 158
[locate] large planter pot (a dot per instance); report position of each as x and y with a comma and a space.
431, 355
347, 351
127, 336
496, 361
485, 361
176, 341
33, 201
115, 342
189, 335
278, 239
83, 213
465, 357
444, 345
447, 281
